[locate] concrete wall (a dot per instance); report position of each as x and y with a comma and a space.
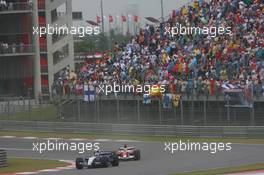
53, 47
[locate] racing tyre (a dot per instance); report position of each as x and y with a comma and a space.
115, 160
137, 154
105, 162
79, 163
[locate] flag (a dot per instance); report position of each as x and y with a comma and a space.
123, 18
237, 96
98, 19
111, 19
227, 86
155, 91
176, 99
89, 93
146, 99
79, 89
136, 19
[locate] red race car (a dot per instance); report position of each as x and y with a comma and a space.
128, 153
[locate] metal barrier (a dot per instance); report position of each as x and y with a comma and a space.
3, 158
9, 106
134, 129
131, 110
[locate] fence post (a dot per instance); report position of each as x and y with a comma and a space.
192, 119
252, 114
175, 114
138, 111
235, 116
205, 115
79, 110
160, 117
181, 112
228, 113
219, 112
118, 110
24, 104
8, 108
29, 109
59, 114
97, 110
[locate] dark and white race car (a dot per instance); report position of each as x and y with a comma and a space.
128, 153
100, 159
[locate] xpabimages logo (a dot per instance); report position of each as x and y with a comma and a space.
183, 30
56, 145
212, 147
64, 30
145, 89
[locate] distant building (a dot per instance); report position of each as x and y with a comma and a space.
29, 63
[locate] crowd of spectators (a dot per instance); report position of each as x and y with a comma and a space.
188, 64
6, 48
4, 5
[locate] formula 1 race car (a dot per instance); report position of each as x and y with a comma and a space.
100, 159
128, 153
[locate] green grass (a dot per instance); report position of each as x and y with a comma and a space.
44, 113
16, 165
253, 167
128, 137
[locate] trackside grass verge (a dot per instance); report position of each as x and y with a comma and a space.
254, 167
92, 136
15, 165
45, 113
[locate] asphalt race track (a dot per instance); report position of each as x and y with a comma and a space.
154, 160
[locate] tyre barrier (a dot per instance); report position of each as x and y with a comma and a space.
3, 158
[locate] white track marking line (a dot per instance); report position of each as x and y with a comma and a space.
8, 137
77, 139
16, 149
103, 140
25, 173
29, 138
132, 141
49, 170
258, 172
52, 138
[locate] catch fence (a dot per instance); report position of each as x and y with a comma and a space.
129, 109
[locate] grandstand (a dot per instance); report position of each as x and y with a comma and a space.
198, 68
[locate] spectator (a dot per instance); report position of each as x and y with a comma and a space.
5, 48
3, 5
21, 47
13, 48
1, 47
